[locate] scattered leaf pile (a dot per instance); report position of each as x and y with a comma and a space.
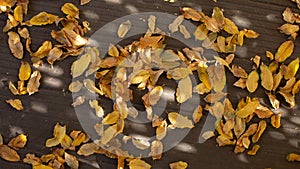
240, 126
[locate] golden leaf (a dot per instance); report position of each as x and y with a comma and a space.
203, 76
41, 166
288, 98
179, 73
173, 27
262, 125
211, 23
254, 150
224, 141
184, 90
75, 86
201, 89
293, 157
241, 83
230, 27
252, 81
8, 154
288, 86
263, 112
266, 77
274, 102
18, 142
248, 109
218, 16
111, 118
296, 88
292, 69
201, 32
156, 150
34, 82
190, 13
32, 159
214, 97
238, 71
78, 101
208, 134
284, 51
161, 130
79, 138
15, 45
256, 60
71, 161
43, 50
221, 45
113, 50
155, 94
58, 135
197, 114
70, 10
43, 18
109, 134
178, 165
18, 13
239, 127
1, 140
138, 164
24, 71
288, 15
251, 34
151, 23
228, 126
275, 120
124, 28
140, 143
79, 66
288, 29
180, 121
11, 22
277, 79
269, 55
15, 103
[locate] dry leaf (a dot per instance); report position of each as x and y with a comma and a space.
208, 134
24, 71
180, 121
284, 51
184, 90
288, 98
1, 140
75, 86
254, 150
197, 114
15, 103
261, 128
155, 94
266, 77
124, 28
251, 34
70, 10
43, 50
269, 55
190, 13
156, 150
15, 45
230, 27
54, 54
43, 18
275, 120
178, 165
138, 164
8, 154
71, 161
288, 16
184, 31
296, 88
98, 109
18, 142
241, 83
23, 32
252, 81
292, 69
173, 27
34, 82
151, 23
238, 71
58, 135
293, 157
248, 109
84, 2
78, 101
288, 29
79, 66
111, 118
88, 149
201, 32
276, 80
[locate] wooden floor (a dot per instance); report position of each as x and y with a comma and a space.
52, 104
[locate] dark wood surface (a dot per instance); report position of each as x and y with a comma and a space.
52, 104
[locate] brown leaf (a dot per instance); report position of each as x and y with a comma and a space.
18, 142
15, 45
288, 98
190, 13
34, 82
8, 154
230, 27
241, 83
173, 27
184, 32
54, 54
201, 32
88, 149
197, 114
238, 71
84, 2
71, 161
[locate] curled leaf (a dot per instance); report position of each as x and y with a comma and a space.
15, 103
71, 10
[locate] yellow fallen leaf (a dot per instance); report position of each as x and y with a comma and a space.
284, 51
180, 121
71, 10
79, 66
43, 18
252, 81
266, 77
34, 82
24, 71
178, 165
292, 69
8, 154
15, 103
248, 109
58, 133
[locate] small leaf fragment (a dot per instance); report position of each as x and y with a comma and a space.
178, 165
124, 28
15, 103
208, 134
254, 150
18, 142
